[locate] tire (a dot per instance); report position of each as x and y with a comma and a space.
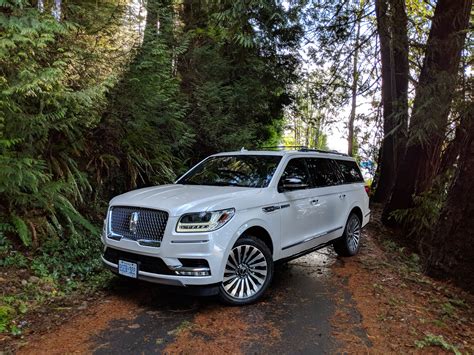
248, 272
349, 243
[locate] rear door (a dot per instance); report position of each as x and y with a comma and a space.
327, 181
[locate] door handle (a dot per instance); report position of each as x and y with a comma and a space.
314, 202
343, 196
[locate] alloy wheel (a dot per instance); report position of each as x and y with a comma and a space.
245, 272
353, 233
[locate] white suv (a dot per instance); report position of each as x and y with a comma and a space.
224, 223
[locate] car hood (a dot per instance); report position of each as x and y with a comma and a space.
178, 199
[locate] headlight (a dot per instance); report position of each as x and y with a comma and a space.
204, 221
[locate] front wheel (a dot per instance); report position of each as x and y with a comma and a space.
248, 272
349, 243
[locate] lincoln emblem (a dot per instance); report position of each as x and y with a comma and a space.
134, 222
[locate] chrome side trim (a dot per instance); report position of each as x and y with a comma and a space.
189, 241
311, 238
273, 208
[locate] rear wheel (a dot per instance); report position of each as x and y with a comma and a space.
248, 272
349, 243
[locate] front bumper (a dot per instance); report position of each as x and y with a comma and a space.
153, 268
195, 290
146, 276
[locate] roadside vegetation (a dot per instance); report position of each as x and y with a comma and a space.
101, 97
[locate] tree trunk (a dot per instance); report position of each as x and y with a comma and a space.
355, 78
448, 248
432, 104
392, 29
464, 110
451, 153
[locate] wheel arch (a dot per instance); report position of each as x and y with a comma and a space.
358, 212
261, 233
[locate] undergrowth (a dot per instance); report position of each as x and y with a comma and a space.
436, 340
57, 269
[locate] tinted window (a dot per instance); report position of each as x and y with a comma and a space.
296, 168
233, 170
324, 172
350, 171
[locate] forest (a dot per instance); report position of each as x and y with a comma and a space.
99, 97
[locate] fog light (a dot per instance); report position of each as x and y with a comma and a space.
192, 273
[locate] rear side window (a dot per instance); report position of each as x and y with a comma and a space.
350, 171
324, 172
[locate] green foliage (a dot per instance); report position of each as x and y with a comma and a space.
436, 340
143, 128
43, 115
236, 74
420, 219
75, 258
6, 315
22, 230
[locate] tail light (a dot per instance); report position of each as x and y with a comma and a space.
367, 189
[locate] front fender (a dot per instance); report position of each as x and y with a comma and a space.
273, 231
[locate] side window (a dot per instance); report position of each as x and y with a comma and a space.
324, 172
296, 168
350, 171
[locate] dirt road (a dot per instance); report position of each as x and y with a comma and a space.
296, 316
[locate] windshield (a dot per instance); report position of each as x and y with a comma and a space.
233, 170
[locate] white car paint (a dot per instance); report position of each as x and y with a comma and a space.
314, 217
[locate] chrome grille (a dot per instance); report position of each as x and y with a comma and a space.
150, 225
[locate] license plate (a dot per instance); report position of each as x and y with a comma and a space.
127, 268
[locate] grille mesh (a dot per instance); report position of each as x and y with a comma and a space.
150, 226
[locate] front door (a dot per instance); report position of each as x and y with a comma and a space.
302, 210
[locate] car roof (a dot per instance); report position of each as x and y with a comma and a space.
300, 153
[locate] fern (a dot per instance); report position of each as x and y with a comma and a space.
22, 230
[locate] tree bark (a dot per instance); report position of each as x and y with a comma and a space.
355, 77
432, 104
446, 249
392, 29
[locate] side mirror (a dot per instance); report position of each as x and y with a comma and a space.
293, 183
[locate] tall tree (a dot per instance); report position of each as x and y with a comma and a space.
142, 135
355, 79
456, 222
240, 61
392, 30
431, 105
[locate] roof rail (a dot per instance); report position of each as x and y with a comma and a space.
303, 148
323, 151
284, 147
